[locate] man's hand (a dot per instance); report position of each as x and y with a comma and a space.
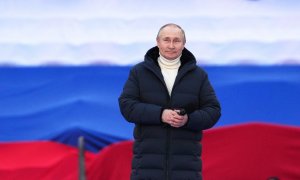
172, 118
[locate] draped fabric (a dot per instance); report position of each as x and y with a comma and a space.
44, 110
62, 103
249, 151
63, 65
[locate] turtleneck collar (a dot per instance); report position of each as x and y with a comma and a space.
169, 64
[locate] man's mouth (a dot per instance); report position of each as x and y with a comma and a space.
171, 52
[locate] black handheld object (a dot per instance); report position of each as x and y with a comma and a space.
181, 112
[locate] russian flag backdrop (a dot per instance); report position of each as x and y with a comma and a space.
63, 65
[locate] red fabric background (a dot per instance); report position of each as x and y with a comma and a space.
252, 152
249, 152
39, 161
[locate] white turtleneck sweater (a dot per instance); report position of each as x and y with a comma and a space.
169, 69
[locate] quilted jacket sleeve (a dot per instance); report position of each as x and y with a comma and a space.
209, 112
132, 108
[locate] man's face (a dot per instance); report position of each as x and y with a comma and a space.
170, 42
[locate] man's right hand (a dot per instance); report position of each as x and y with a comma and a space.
172, 118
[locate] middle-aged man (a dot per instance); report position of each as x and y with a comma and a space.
171, 101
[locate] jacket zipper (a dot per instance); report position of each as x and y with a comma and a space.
168, 149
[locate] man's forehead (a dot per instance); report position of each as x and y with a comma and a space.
171, 31
170, 28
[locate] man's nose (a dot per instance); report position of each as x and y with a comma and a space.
171, 45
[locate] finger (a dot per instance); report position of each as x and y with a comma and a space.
176, 124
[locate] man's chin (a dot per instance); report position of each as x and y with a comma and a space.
172, 57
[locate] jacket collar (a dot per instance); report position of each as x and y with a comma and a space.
188, 63
186, 57
188, 60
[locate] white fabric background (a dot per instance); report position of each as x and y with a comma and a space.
36, 32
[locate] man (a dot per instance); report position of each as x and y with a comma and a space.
171, 101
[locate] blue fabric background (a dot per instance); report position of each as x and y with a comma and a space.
62, 103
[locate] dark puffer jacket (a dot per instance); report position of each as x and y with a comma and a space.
162, 152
